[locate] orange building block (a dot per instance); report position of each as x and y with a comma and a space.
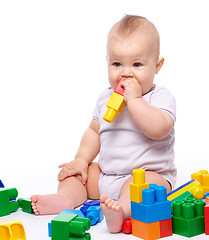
146, 231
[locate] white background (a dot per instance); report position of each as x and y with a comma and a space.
53, 67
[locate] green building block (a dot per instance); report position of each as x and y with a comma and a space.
25, 204
7, 205
67, 226
188, 217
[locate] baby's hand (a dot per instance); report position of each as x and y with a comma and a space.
75, 167
132, 89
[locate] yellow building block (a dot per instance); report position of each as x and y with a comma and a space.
138, 185
187, 187
136, 191
116, 102
202, 177
12, 230
115, 105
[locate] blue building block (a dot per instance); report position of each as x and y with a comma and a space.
154, 207
88, 204
1, 184
95, 214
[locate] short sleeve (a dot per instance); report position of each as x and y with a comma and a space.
164, 100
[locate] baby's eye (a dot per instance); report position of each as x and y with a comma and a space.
137, 64
117, 64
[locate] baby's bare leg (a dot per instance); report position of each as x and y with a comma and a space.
70, 194
117, 212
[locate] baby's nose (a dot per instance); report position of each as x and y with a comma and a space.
126, 72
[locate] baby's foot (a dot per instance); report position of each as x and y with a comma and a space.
113, 213
50, 204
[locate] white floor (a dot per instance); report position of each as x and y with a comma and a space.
36, 227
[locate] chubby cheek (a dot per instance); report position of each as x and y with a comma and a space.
113, 79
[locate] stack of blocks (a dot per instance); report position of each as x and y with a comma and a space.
150, 209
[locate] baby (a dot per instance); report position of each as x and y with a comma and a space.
142, 136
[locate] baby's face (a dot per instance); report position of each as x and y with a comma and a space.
131, 57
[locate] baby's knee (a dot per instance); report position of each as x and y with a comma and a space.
154, 177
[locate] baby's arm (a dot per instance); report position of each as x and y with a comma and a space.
153, 122
88, 150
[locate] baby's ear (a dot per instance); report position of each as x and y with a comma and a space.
159, 64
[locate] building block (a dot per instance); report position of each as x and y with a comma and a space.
95, 214
154, 207
6, 204
146, 231
166, 228
206, 213
189, 186
127, 226
181, 197
120, 90
68, 211
202, 177
116, 103
70, 227
138, 185
86, 205
1, 184
12, 230
188, 218
25, 204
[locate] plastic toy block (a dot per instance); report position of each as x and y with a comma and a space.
1, 184
88, 204
188, 218
206, 213
95, 214
69, 226
183, 196
166, 228
115, 105
203, 178
12, 230
154, 207
25, 204
127, 226
68, 211
146, 231
138, 185
6, 204
189, 186
120, 90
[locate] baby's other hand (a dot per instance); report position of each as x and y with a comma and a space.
75, 167
132, 89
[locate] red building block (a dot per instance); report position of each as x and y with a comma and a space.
127, 226
166, 228
206, 213
120, 90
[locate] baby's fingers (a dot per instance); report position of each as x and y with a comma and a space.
64, 173
63, 165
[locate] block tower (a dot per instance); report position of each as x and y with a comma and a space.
150, 209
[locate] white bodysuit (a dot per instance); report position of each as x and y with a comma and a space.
123, 147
